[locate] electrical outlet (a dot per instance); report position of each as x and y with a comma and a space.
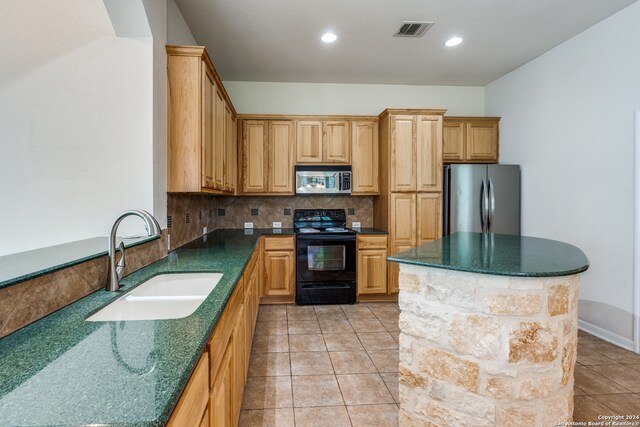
204, 230
277, 224
248, 225
355, 224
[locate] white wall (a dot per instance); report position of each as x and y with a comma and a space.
359, 99
178, 32
75, 123
568, 119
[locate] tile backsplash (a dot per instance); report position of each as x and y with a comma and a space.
188, 214
233, 212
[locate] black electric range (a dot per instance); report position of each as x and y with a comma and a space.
325, 257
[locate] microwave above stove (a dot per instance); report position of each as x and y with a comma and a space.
323, 179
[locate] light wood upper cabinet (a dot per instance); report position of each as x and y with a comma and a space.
268, 155
281, 155
482, 141
208, 137
429, 217
365, 155
336, 147
323, 141
198, 116
309, 141
403, 153
254, 156
219, 142
230, 150
453, 141
429, 153
471, 139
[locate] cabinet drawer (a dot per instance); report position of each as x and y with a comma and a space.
372, 242
279, 243
193, 402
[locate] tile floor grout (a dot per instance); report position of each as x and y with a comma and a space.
599, 387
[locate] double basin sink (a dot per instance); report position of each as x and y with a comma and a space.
166, 296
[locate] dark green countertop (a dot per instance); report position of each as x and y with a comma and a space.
64, 371
16, 268
498, 254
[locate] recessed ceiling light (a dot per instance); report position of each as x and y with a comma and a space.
453, 41
329, 37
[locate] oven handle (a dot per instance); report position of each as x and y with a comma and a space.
327, 237
329, 286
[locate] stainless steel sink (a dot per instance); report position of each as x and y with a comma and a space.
166, 296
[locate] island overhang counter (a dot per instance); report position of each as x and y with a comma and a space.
488, 330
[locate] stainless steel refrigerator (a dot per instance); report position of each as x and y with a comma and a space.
482, 198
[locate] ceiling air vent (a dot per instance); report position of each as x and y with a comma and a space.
413, 29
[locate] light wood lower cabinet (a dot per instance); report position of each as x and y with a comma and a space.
279, 268
371, 264
213, 395
193, 403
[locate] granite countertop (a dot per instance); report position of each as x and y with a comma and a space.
498, 254
63, 370
16, 268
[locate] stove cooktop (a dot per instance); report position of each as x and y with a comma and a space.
327, 230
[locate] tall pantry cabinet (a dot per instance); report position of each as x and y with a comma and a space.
410, 203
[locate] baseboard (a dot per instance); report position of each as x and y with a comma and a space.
606, 335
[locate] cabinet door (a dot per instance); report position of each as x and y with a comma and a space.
279, 273
429, 217
281, 155
453, 141
220, 403
335, 145
403, 219
208, 138
254, 156
230, 151
249, 303
372, 271
219, 144
482, 141
403, 153
238, 366
394, 268
429, 153
364, 167
309, 142
193, 402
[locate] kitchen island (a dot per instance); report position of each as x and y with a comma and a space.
488, 330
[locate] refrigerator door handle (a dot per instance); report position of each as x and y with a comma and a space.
491, 205
484, 201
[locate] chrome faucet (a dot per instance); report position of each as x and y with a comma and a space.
116, 270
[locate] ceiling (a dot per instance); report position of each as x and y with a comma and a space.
279, 40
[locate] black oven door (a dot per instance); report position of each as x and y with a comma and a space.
325, 269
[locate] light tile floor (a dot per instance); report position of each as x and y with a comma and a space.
323, 366
338, 365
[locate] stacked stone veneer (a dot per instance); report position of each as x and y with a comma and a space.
485, 350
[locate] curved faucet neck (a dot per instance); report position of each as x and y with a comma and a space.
116, 270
